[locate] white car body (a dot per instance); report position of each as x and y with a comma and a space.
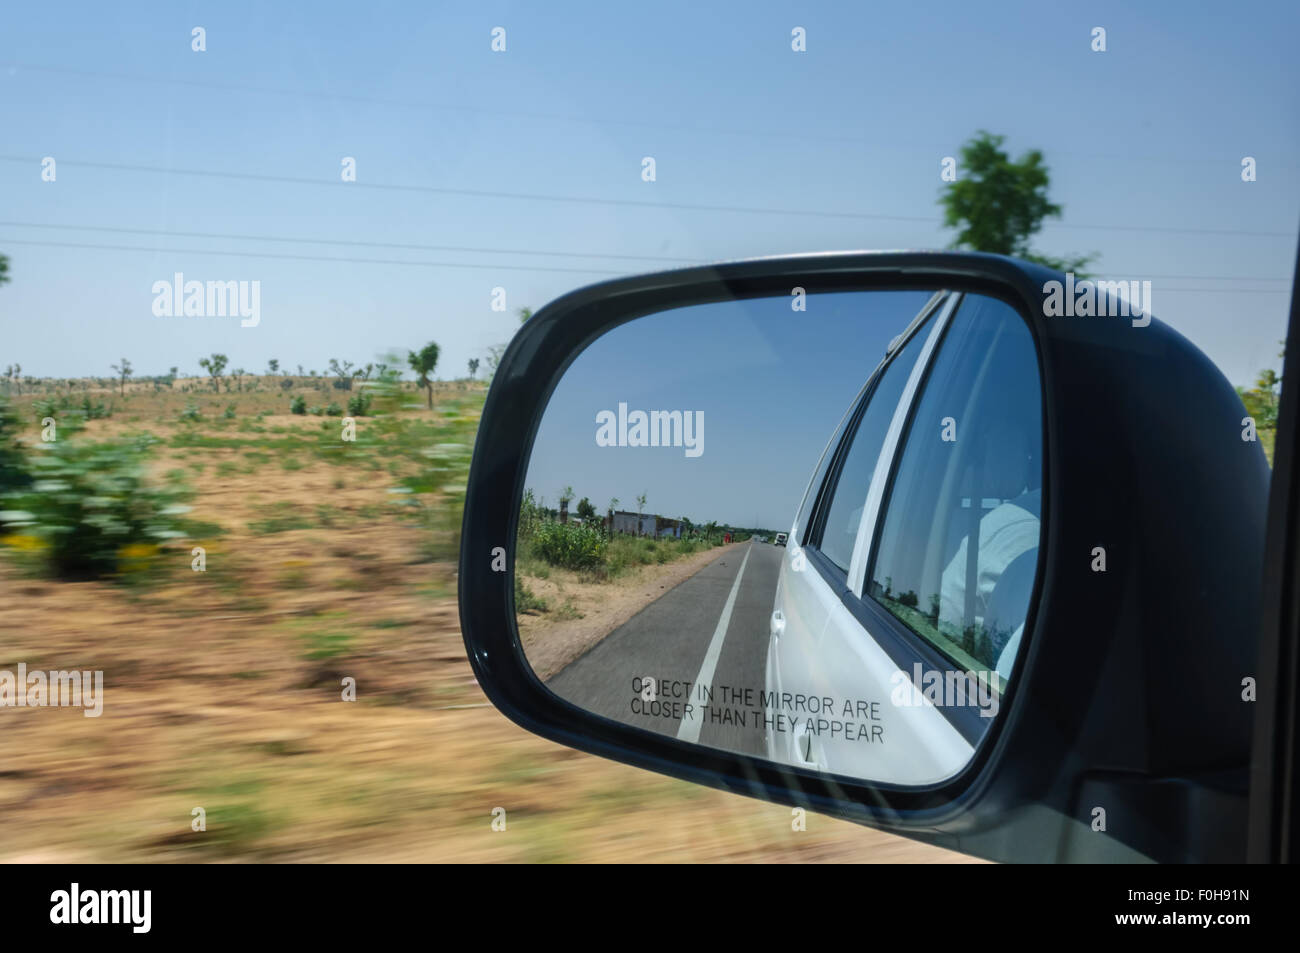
819, 649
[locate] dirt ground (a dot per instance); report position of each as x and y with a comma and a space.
553, 640
223, 692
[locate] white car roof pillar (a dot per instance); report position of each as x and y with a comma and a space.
876, 490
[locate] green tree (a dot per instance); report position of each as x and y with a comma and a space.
586, 512
214, 365
998, 205
1261, 402
473, 367
124, 371
525, 314
423, 364
343, 372
273, 366
4, 269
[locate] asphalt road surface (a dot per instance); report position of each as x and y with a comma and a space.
703, 648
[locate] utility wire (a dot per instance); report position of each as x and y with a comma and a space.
341, 261
708, 127
630, 203
336, 241
517, 267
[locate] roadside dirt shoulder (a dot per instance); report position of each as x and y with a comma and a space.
553, 641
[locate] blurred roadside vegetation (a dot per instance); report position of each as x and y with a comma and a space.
87, 510
588, 546
75, 508
1261, 402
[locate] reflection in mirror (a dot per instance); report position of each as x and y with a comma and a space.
747, 527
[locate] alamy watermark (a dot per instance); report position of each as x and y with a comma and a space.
211, 299
56, 689
75, 905
1101, 299
950, 689
655, 428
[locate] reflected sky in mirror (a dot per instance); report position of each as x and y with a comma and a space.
769, 382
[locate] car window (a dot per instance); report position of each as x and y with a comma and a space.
958, 549
839, 530
803, 521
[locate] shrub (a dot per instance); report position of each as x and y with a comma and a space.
286, 384
229, 413
191, 412
359, 405
13, 474
95, 411
531, 516
449, 446
89, 511
386, 387
333, 410
570, 545
526, 600
298, 405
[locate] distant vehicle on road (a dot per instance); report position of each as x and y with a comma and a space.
780, 539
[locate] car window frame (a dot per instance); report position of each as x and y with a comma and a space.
940, 306
905, 647
805, 517
873, 554
899, 427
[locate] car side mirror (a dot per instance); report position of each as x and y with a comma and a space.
997, 591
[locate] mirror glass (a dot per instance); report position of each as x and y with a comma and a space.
804, 528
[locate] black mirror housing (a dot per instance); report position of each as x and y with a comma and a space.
1128, 696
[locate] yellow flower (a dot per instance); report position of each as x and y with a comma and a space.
25, 542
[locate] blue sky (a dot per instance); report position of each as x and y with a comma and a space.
770, 395
835, 148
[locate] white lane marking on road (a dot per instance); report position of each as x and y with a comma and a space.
689, 729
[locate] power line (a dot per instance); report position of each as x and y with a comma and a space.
490, 251
632, 203
707, 127
774, 133
362, 244
512, 267
344, 261
479, 193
